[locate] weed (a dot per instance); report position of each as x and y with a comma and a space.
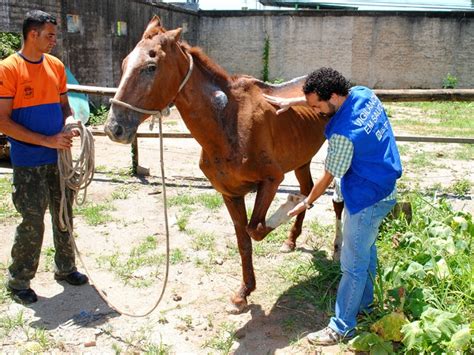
160, 349
461, 187
49, 258
224, 339
136, 269
212, 201
204, 241
7, 210
450, 82
8, 323
176, 257
94, 214
122, 192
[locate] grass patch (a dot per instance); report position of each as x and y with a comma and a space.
204, 241
212, 201
4, 294
461, 187
273, 241
140, 267
10, 323
434, 118
223, 339
177, 256
182, 218
123, 192
7, 210
94, 213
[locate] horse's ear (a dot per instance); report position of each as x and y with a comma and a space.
175, 35
154, 27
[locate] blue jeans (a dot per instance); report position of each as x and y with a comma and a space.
358, 264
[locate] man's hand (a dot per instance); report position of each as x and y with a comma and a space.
73, 121
300, 207
62, 140
284, 103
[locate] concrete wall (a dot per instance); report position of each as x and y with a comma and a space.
378, 49
95, 53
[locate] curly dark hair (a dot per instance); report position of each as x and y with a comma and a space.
325, 82
35, 20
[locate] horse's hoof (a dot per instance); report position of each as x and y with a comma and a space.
236, 306
287, 248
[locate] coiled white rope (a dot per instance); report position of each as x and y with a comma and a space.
77, 176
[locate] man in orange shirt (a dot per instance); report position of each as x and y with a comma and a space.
33, 109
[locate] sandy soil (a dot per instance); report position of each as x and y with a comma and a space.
191, 318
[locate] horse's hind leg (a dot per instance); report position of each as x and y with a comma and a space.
236, 208
303, 175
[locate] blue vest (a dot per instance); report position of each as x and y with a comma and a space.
375, 165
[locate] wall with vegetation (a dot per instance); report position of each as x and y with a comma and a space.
378, 49
96, 51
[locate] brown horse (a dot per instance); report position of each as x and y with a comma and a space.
245, 145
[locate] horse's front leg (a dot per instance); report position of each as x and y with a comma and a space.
265, 193
303, 175
238, 213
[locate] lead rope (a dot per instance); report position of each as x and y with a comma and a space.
78, 177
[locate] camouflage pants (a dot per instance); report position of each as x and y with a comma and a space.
34, 188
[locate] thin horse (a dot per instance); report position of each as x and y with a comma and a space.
245, 145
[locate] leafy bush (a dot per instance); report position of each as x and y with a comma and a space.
9, 43
98, 116
450, 82
425, 275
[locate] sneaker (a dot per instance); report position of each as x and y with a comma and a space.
326, 336
74, 278
25, 296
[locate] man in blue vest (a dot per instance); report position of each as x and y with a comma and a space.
362, 152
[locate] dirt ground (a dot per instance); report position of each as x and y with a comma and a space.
191, 319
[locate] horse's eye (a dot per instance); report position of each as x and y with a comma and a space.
149, 69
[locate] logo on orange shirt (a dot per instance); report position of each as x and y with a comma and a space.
29, 92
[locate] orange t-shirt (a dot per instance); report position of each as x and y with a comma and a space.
35, 88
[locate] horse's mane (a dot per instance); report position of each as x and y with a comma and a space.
207, 63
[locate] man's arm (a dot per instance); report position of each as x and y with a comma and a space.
65, 108
318, 189
285, 103
20, 133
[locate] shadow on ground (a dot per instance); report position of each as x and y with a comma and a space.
301, 309
75, 306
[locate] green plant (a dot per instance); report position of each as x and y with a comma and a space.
425, 273
204, 241
450, 81
9, 43
98, 116
461, 187
266, 58
176, 256
49, 258
94, 213
224, 338
139, 267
